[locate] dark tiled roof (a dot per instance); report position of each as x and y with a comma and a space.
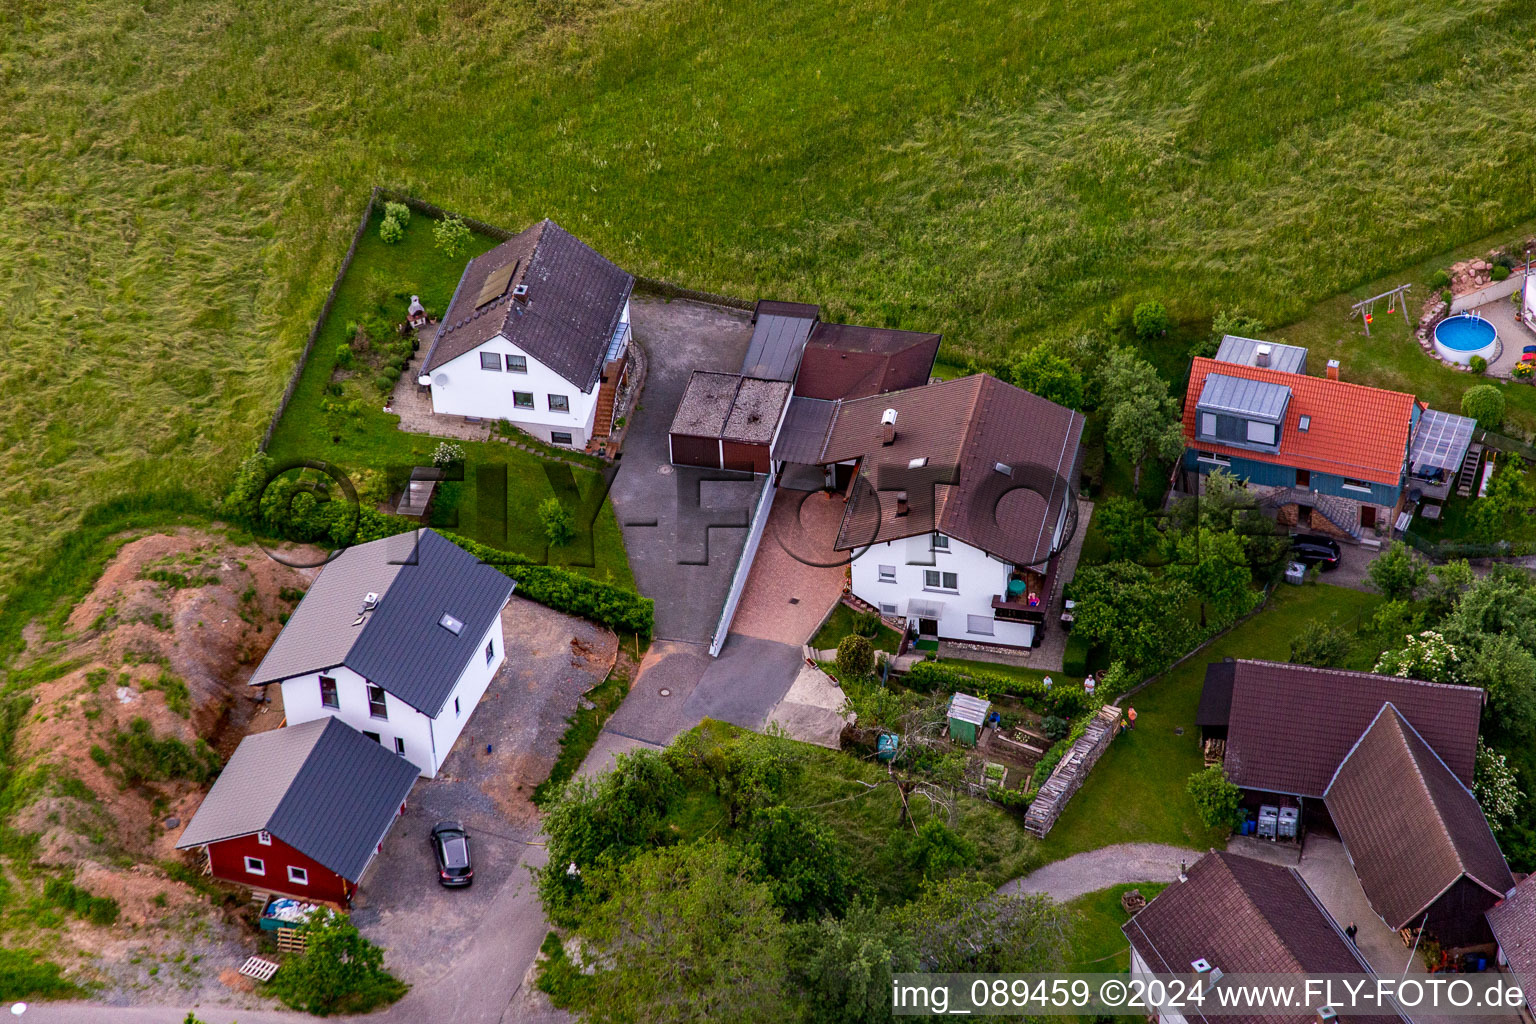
1292, 725
1513, 920
1411, 828
1241, 916
845, 361
575, 300
321, 787
964, 428
399, 645
1215, 708
1354, 431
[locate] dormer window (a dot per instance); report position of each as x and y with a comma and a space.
451, 624
1261, 433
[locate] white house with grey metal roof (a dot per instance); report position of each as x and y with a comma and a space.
399, 639
301, 811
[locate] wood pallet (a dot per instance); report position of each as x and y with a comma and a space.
292, 940
258, 968
1215, 751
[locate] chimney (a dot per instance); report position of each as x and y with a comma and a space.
520, 293
1261, 355
901, 503
888, 427
1205, 976
1333, 369
1327, 1015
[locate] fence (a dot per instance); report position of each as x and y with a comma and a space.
314, 332
743, 566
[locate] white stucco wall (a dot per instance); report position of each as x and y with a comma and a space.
980, 578
477, 675
472, 391
301, 703
1139, 966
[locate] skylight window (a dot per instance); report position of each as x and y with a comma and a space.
1304, 424
451, 624
918, 463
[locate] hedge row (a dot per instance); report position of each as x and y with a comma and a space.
1066, 701
563, 590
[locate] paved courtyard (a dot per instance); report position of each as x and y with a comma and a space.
797, 576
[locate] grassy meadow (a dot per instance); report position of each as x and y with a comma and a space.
180, 178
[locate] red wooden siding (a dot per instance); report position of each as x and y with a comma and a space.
750, 458
228, 860
688, 450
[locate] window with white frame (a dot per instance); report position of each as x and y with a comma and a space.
490, 361
456, 711
940, 542
1356, 485
887, 574
400, 746
887, 609
298, 876
559, 403
980, 624
490, 651
933, 579
378, 705
255, 866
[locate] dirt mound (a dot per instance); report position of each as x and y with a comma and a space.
152, 664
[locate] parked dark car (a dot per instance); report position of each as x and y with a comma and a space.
450, 844
1315, 549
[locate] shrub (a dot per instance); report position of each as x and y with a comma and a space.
1397, 572
140, 757
99, 910
563, 590
390, 231
343, 356
855, 657
1499, 272
1320, 644
1478, 364
1439, 279
935, 849
451, 235
559, 524
339, 970
447, 454
866, 624
398, 212
1055, 727
1484, 403
1066, 701
1523, 371
1216, 796
1150, 319
1446, 296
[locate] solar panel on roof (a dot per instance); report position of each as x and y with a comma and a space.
495, 283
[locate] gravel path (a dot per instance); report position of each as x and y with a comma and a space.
1083, 873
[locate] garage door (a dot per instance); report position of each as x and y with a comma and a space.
695, 451
751, 458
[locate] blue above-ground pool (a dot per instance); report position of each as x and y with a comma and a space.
1458, 338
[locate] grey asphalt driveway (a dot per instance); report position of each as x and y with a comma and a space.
683, 528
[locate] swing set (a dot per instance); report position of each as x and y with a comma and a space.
1397, 299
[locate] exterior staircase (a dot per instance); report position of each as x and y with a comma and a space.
1341, 513
607, 396
1467, 478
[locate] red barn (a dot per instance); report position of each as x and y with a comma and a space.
301, 810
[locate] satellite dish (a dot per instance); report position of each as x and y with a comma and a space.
441, 380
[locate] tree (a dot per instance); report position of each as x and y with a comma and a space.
390, 231
1150, 319
452, 236
855, 657
1139, 616
1510, 494
1142, 419
1506, 672
845, 966
1044, 373
1427, 656
1484, 403
1215, 567
1216, 797
802, 863
686, 934
339, 970
1397, 572
1320, 644
1495, 786
935, 849
1446, 585
964, 925
1125, 525
559, 524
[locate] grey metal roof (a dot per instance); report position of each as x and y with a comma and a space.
399, 645
322, 787
965, 708
777, 342
1256, 399
807, 425
1440, 440
1285, 358
575, 298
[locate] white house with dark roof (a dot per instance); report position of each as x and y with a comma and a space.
399, 639
536, 334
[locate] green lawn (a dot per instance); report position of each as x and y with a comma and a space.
498, 500
1098, 944
840, 623
1136, 791
1011, 671
181, 179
